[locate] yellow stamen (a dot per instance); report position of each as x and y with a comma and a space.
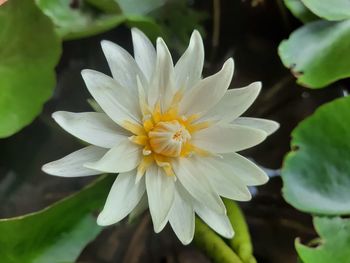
134, 128
148, 125
145, 163
140, 139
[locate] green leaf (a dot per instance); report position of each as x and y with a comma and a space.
27, 61
329, 9
80, 21
316, 173
318, 53
57, 233
300, 11
334, 243
137, 7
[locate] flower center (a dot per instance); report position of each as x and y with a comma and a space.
168, 138
164, 135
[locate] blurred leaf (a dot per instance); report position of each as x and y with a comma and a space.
59, 232
108, 6
300, 11
241, 242
178, 20
147, 25
78, 21
334, 243
330, 9
316, 173
318, 53
137, 7
27, 63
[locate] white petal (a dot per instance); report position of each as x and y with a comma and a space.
198, 186
112, 97
163, 77
246, 170
224, 138
123, 66
122, 199
92, 127
218, 222
207, 92
139, 209
234, 103
223, 179
267, 126
160, 192
144, 53
121, 158
181, 216
72, 164
188, 70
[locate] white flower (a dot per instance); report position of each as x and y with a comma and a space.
171, 135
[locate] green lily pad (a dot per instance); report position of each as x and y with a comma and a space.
318, 53
300, 11
27, 61
333, 245
316, 172
57, 233
329, 9
73, 22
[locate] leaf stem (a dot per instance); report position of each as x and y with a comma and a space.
213, 245
241, 242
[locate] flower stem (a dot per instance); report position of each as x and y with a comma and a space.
213, 245
241, 242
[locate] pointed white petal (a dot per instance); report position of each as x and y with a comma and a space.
225, 138
218, 222
163, 77
188, 70
139, 209
234, 103
121, 158
144, 53
92, 127
207, 92
112, 97
72, 164
181, 216
262, 124
244, 169
199, 187
122, 199
223, 179
123, 66
160, 192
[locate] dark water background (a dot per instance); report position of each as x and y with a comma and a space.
251, 36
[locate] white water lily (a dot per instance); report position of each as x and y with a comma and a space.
171, 135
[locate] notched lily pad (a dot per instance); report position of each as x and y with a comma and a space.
317, 53
316, 176
333, 244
